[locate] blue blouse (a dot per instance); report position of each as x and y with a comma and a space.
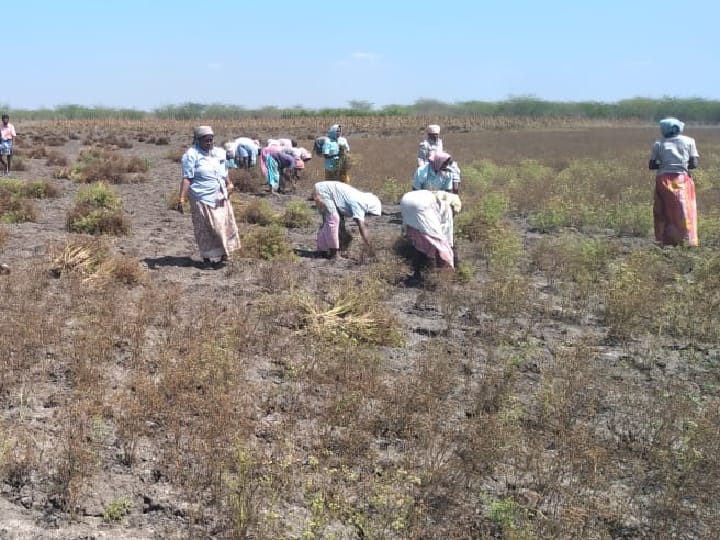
207, 173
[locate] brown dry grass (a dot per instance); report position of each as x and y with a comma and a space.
567, 390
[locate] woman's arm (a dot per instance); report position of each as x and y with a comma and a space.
182, 197
363, 231
184, 188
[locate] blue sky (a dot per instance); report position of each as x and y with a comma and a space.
146, 54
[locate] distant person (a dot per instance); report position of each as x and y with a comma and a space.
428, 222
285, 143
276, 162
246, 152
439, 173
674, 206
335, 150
302, 156
7, 137
335, 201
432, 143
205, 180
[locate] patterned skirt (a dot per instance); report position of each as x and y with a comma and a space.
675, 210
216, 231
273, 172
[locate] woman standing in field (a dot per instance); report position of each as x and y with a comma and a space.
335, 150
674, 206
205, 179
7, 137
431, 144
336, 200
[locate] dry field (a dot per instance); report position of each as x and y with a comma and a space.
563, 383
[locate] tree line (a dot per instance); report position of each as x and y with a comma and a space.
695, 110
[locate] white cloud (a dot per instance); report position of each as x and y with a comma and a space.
363, 56
357, 58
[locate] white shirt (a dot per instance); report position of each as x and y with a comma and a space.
674, 154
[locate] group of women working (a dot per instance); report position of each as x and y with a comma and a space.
427, 211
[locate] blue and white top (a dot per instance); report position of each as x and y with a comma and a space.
332, 146
346, 200
427, 178
207, 173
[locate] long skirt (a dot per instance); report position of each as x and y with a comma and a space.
431, 246
273, 173
339, 171
675, 210
328, 235
216, 232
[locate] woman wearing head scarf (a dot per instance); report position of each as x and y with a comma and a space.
275, 161
336, 200
301, 155
428, 223
432, 143
205, 180
440, 173
674, 206
335, 149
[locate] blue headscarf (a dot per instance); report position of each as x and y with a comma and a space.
669, 127
332, 132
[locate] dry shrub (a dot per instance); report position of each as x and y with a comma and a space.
115, 140
633, 294
18, 457
297, 214
58, 140
175, 154
76, 457
96, 165
82, 255
354, 314
18, 163
246, 181
3, 236
258, 212
14, 209
97, 210
29, 189
269, 243
391, 270
122, 269
55, 158
90, 258
36, 152
506, 294
87, 219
